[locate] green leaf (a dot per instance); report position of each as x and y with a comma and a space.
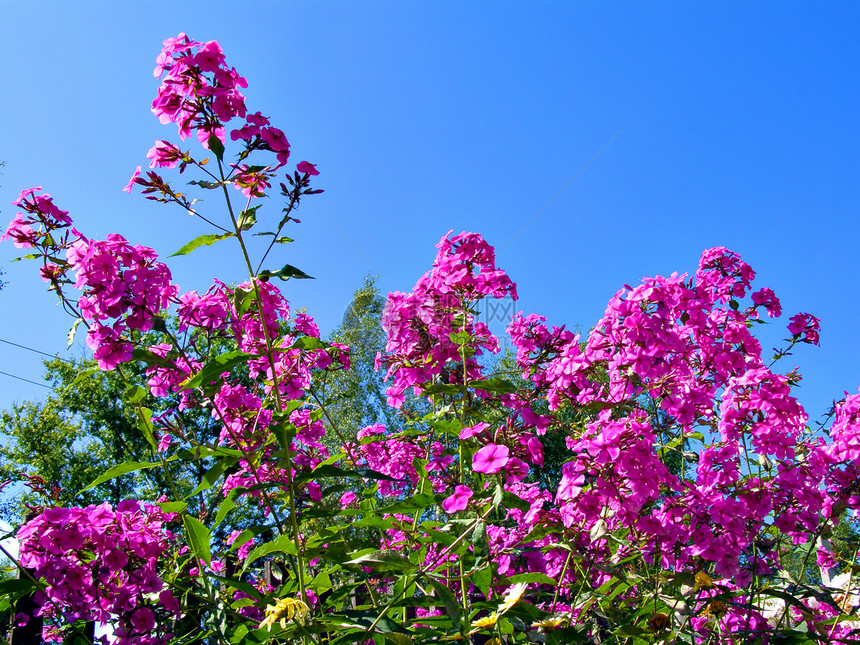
216, 146
209, 185
212, 475
497, 385
365, 619
281, 544
249, 589
241, 539
203, 240
285, 273
151, 358
198, 538
144, 424
239, 634
482, 579
121, 469
398, 639
172, 507
243, 299
135, 393
248, 218
417, 502
384, 560
444, 388
451, 605
74, 328
15, 585
226, 506
214, 368
309, 342
328, 470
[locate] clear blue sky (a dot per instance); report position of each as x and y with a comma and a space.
741, 131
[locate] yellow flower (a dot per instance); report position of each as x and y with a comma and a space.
513, 596
486, 621
703, 581
283, 610
551, 623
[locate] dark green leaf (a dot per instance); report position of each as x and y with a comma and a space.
151, 358
451, 605
533, 577
248, 218
209, 185
417, 502
212, 475
216, 146
285, 273
15, 585
497, 385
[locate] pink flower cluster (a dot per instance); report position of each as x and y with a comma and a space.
101, 564
200, 94
121, 282
37, 210
423, 325
198, 91
684, 343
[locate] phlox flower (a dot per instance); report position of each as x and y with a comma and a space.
458, 501
490, 459
807, 325
132, 181
307, 168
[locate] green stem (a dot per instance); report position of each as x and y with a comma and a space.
287, 461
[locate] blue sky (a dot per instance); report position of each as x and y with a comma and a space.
739, 128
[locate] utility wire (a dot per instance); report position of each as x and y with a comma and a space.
26, 380
36, 351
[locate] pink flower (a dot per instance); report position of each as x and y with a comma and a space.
277, 143
347, 498
307, 168
805, 324
115, 560
768, 299
163, 155
470, 431
143, 620
490, 459
131, 181
458, 501
516, 470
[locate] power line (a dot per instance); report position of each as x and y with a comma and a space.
32, 349
26, 380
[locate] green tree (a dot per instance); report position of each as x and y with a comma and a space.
63, 443
355, 398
